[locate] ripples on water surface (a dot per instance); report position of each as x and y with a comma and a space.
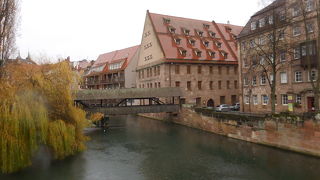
140, 148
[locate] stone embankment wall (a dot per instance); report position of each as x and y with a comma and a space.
286, 133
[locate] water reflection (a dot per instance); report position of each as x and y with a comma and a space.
140, 148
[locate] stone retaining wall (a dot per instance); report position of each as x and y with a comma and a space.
303, 137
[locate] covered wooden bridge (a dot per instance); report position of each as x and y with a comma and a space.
129, 101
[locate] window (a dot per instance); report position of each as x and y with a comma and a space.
262, 60
235, 84
271, 78
298, 98
172, 29
228, 84
309, 5
183, 52
245, 81
255, 99
284, 99
225, 55
303, 50
253, 26
159, 85
166, 20
254, 80
245, 63
270, 19
156, 85
228, 69
188, 69
246, 99
296, 53
219, 69
177, 69
212, 54
252, 43
218, 44
211, 85
296, 31
295, 11
261, 40
189, 85
199, 85
265, 99
298, 76
206, 26
200, 33
186, 31
147, 45
177, 40
177, 83
219, 84
310, 28
147, 58
282, 15
199, 69
212, 34
263, 80
192, 42
198, 53
254, 61
206, 43
312, 76
262, 22
283, 77
281, 34
243, 45
282, 56
211, 69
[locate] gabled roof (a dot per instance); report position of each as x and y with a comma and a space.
224, 33
100, 65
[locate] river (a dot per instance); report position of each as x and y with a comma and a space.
138, 148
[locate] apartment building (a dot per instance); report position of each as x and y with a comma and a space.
278, 45
198, 56
113, 70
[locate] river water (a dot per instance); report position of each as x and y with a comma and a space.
137, 148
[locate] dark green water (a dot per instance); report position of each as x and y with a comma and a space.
140, 148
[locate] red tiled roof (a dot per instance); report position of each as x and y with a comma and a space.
123, 54
171, 48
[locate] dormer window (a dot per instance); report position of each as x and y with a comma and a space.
212, 34
234, 36
228, 29
166, 20
206, 43
197, 52
218, 44
212, 54
172, 29
224, 54
253, 26
177, 40
186, 32
206, 26
200, 33
183, 52
192, 42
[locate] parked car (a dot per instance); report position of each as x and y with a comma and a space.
223, 108
235, 107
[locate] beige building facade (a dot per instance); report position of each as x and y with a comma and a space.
198, 56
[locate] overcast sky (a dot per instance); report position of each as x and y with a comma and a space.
83, 29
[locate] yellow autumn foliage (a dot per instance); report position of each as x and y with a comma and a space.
36, 108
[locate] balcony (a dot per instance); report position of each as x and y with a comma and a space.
112, 80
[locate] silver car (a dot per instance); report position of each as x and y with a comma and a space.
223, 108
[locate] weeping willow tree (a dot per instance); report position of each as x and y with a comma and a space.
36, 108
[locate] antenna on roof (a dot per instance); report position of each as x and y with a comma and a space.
228, 22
